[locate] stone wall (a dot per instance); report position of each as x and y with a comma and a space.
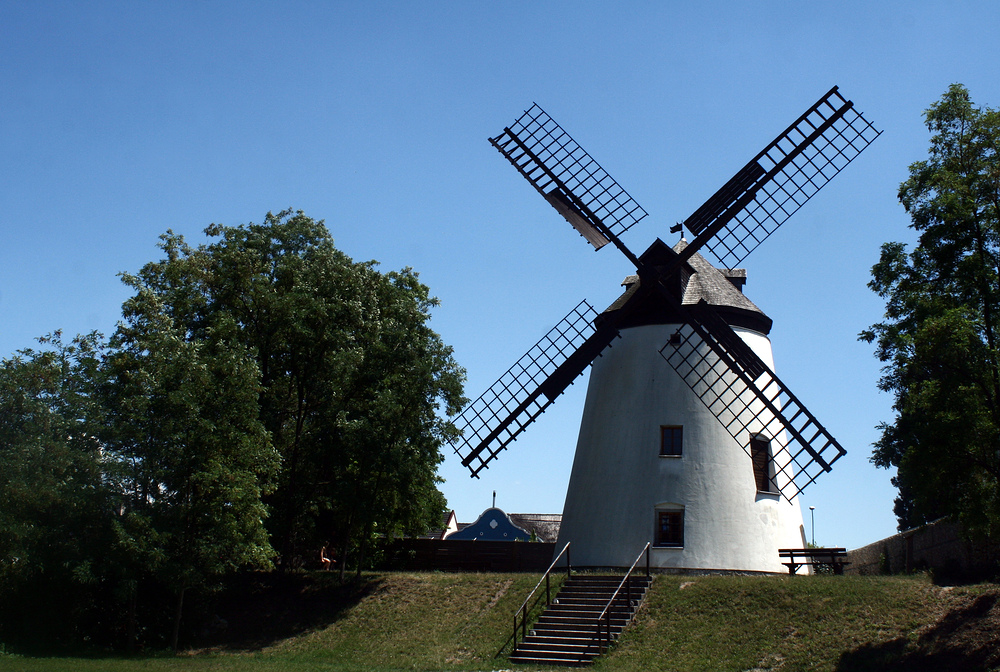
939, 546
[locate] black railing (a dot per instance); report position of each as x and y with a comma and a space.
603, 635
522, 614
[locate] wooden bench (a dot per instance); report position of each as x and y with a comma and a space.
797, 557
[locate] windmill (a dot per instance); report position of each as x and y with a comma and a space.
688, 437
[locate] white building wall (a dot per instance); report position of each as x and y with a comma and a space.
619, 478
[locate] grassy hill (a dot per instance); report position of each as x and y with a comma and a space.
402, 621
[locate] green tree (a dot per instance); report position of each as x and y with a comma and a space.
188, 455
261, 391
389, 430
352, 378
939, 337
52, 494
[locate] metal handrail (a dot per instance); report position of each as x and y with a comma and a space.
606, 614
524, 609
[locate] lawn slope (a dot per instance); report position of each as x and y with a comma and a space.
436, 621
833, 623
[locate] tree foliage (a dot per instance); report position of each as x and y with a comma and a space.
942, 323
263, 396
186, 451
352, 378
52, 498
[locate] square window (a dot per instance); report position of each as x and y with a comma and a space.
671, 440
669, 528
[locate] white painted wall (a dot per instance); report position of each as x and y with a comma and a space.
619, 478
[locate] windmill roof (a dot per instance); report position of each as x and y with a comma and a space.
715, 285
698, 280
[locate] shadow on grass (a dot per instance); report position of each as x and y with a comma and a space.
965, 638
260, 609
252, 611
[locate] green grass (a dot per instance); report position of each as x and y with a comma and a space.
797, 623
436, 621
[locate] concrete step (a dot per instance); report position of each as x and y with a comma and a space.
599, 605
592, 603
580, 655
609, 579
590, 612
585, 627
575, 629
540, 660
578, 619
567, 647
569, 638
602, 596
568, 616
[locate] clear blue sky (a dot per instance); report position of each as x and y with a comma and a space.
120, 120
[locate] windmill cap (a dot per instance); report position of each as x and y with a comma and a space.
698, 279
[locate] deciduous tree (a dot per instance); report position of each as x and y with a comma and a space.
186, 451
939, 339
53, 498
354, 384
263, 396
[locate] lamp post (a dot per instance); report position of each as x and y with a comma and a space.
812, 515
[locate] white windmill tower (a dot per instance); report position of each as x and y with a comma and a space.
653, 463
681, 363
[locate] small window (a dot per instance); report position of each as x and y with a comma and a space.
671, 440
763, 464
670, 528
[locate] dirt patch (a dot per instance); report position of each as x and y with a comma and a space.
500, 593
770, 663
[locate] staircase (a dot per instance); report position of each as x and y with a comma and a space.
569, 632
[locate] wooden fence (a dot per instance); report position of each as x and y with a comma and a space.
469, 555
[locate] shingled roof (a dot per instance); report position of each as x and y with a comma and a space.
544, 525
698, 279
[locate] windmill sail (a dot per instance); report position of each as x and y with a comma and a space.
749, 400
729, 378
568, 178
521, 394
779, 180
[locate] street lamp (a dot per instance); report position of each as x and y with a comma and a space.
812, 515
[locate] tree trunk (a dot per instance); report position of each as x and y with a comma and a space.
287, 547
361, 552
343, 560
366, 528
130, 622
177, 619
347, 545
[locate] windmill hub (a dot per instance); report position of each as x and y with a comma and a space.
697, 280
